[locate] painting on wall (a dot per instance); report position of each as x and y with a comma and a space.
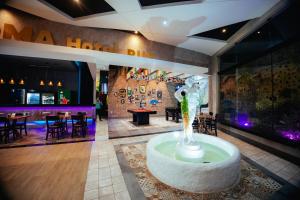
131, 99
122, 93
153, 102
159, 94
153, 91
129, 91
142, 89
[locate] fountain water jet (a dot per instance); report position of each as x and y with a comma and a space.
193, 162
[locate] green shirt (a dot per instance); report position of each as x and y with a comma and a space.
98, 105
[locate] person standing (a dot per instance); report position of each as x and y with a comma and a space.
99, 106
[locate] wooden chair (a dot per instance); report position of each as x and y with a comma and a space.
22, 125
196, 124
63, 120
78, 125
211, 125
5, 129
54, 126
85, 118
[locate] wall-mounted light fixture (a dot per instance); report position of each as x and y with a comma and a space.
2, 81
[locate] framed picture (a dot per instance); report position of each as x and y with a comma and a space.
142, 89
131, 99
159, 94
129, 91
122, 93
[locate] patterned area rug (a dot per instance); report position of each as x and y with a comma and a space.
254, 184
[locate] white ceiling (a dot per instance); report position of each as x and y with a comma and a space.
100, 58
183, 20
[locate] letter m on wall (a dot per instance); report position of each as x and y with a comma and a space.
10, 32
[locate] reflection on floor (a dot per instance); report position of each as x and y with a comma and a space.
44, 172
37, 136
124, 127
63, 171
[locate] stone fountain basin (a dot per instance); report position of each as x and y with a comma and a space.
194, 177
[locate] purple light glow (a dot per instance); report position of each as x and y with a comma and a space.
243, 120
47, 108
36, 110
291, 135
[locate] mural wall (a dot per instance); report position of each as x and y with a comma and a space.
126, 92
263, 96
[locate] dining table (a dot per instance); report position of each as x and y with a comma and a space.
14, 119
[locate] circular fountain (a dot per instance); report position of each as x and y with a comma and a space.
193, 162
218, 169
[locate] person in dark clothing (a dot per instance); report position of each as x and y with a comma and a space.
99, 106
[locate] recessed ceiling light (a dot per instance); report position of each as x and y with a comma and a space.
165, 22
224, 30
258, 32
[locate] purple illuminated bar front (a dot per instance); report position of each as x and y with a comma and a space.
36, 111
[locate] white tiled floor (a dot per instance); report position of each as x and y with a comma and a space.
105, 180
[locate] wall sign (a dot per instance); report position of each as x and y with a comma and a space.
46, 37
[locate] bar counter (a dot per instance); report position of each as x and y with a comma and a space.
37, 111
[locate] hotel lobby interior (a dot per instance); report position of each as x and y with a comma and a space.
149, 99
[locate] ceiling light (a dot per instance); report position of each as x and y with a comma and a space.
59, 84
258, 32
22, 82
11, 81
136, 32
224, 30
77, 1
2, 81
42, 83
50, 83
165, 23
